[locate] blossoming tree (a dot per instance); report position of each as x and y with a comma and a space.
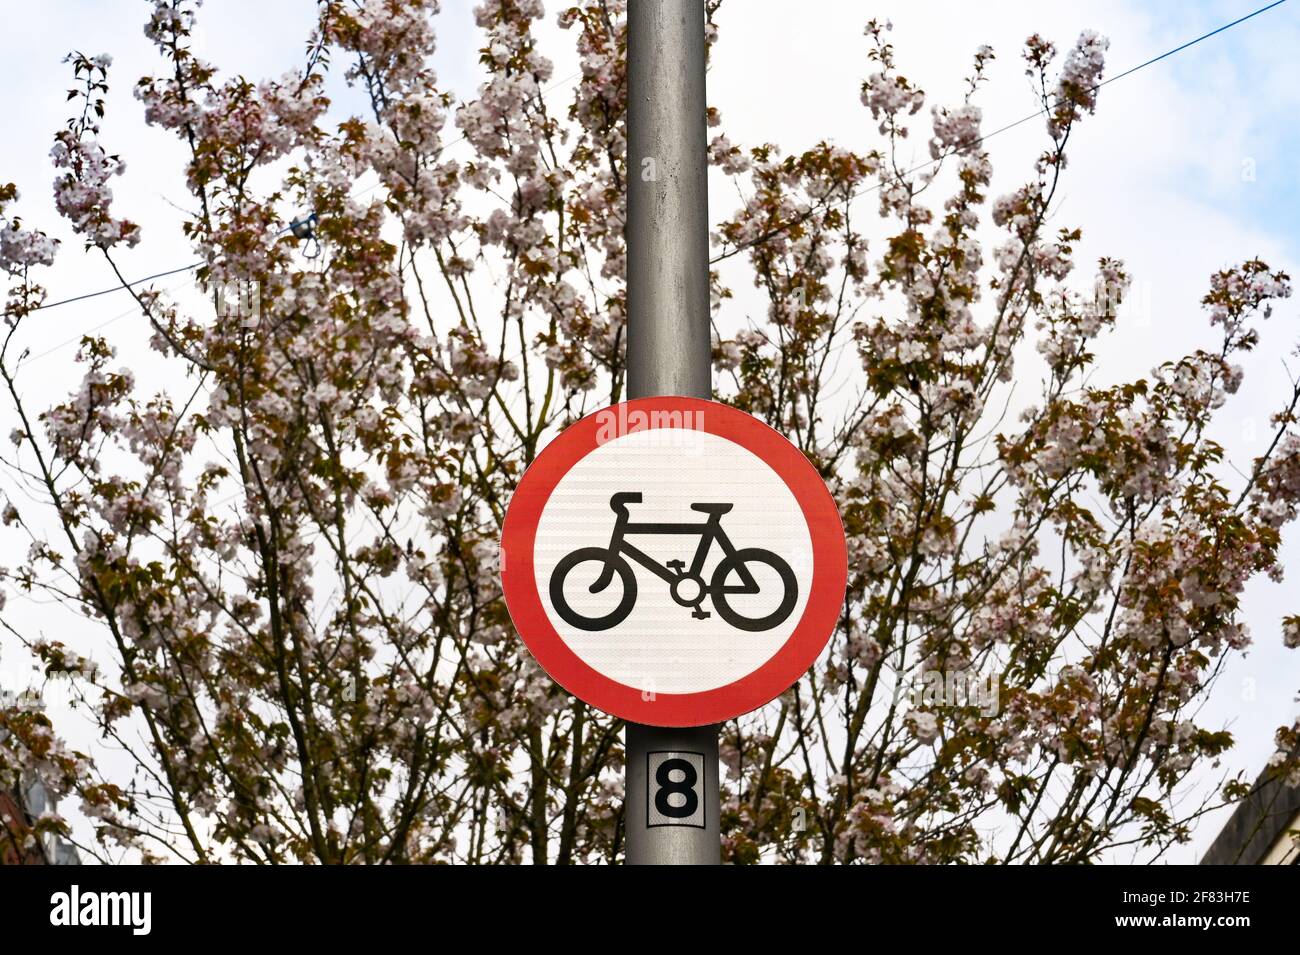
295, 642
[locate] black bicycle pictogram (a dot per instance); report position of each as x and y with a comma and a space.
688, 587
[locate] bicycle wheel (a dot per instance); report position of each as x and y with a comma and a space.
601, 555
755, 557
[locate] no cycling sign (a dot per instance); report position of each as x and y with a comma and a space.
673, 561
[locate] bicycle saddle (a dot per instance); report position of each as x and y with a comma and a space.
620, 501
712, 508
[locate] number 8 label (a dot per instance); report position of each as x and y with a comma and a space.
673, 798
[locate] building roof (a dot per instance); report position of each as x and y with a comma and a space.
1259, 831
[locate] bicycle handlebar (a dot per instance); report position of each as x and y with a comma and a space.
621, 500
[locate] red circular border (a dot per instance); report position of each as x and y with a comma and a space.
777, 674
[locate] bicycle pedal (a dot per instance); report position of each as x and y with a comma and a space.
676, 566
699, 614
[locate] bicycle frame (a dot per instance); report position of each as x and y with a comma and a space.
708, 531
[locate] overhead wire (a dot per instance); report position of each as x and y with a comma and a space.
980, 140
767, 236
289, 228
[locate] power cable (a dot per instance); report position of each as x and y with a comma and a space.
779, 230
195, 265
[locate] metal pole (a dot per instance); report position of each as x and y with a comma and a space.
668, 353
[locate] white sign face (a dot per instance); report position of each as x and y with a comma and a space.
668, 643
673, 561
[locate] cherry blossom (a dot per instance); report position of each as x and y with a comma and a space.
285, 576
20, 248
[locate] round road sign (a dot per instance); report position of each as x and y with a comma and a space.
673, 561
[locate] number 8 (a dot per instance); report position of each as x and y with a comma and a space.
668, 786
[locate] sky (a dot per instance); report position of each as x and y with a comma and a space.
1186, 168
